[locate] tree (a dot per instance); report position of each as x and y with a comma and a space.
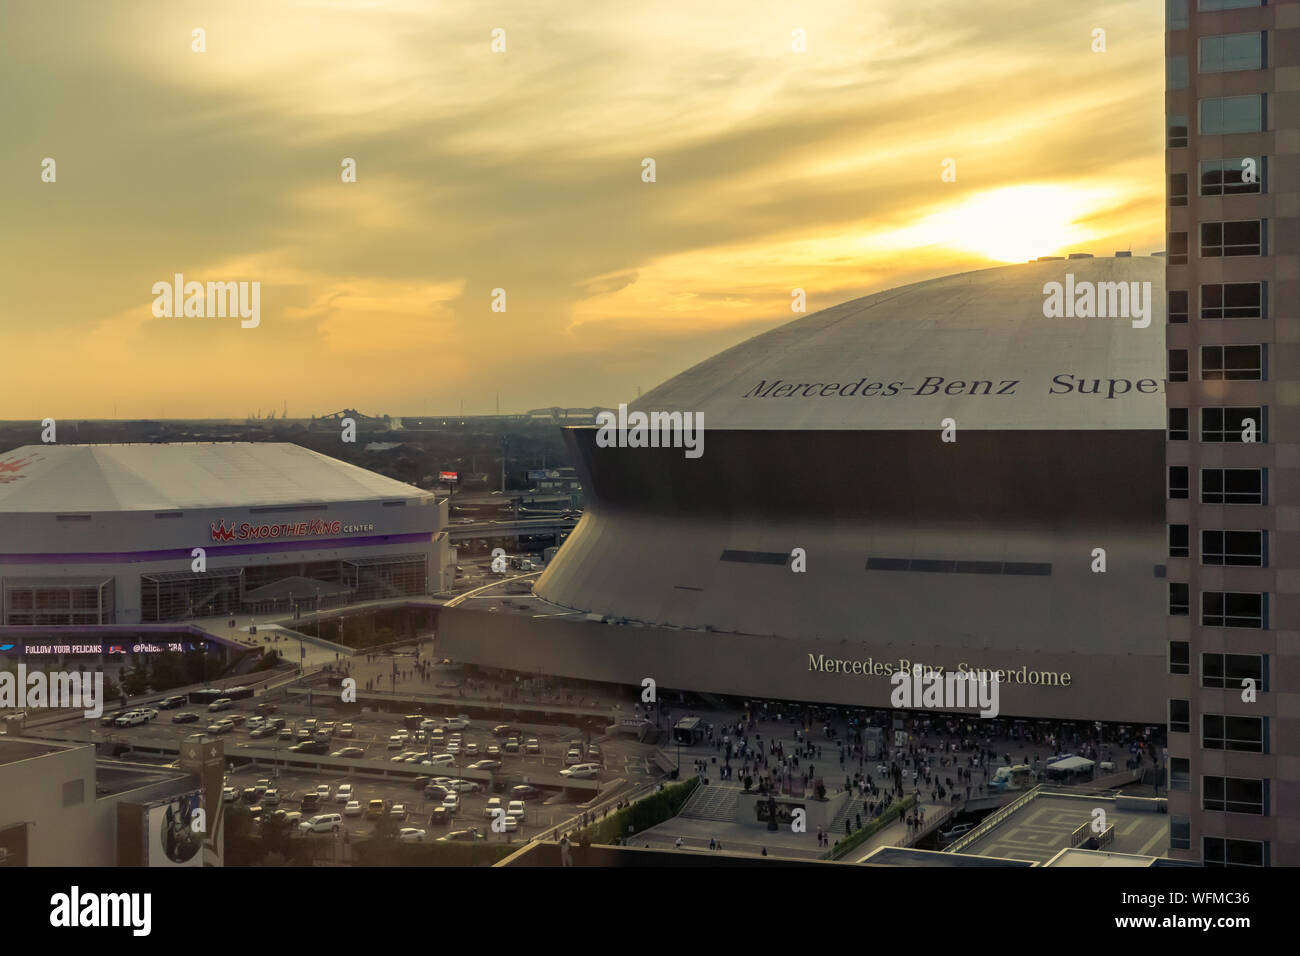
168, 671
136, 680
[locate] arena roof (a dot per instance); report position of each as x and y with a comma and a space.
160, 477
952, 333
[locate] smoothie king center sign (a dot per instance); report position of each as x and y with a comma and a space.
244, 531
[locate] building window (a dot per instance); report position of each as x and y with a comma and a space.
1232, 732
1177, 311
1231, 114
1235, 548
1231, 424
1224, 54
1178, 543
1241, 237
1232, 363
1180, 773
1217, 851
1178, 424
1180, 601
1177, 130
1227, 671
1206, 6
1180, 660
1234, 609
1178, 481
1232, 300
1175, 14
1180, 833
1232, 795
1178, 365
1180, 720
1178, 189
1227, 177
1177, 253
1232, 486
1175, 72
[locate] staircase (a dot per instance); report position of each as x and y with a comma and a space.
713, 803
851, 806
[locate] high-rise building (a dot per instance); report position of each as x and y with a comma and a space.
1233, 279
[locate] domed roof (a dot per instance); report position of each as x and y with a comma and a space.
975, 347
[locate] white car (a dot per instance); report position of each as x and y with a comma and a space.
229, 794
493, 805
410, 835
510, 823
345, 730
322, 823
453, 746
430, 723
353, 809
131, 719
451, 802
464, 786
222, 703
292, 818
323, 791
343, 794
516, 809
471, 750
255, 722
573, 758
396, 743
441, 760
581, 771
456, 723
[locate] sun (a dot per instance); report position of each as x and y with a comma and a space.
1016, 223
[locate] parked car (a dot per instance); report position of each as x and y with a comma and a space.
955, 831
221, 703
271, 798
468, 834
524, 792
285, 734
439, 817
262, 732
396, 743
171, 703
456, 723
345, 730
353, 808
435, 792
310, 747
310, 802
581, 771
374, 809
397, 811
253, 722
221, 727
186, 717
410, 835
266, 708
532, 746
471, 749
349, 752
485, 765
465, 786
451, 802
516, 809
322, 823
343, 794
131, 718
441, 760
506, 730
573, 758
494, 750
229, 794
493, 805
511, 746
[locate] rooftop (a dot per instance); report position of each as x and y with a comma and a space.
170, 477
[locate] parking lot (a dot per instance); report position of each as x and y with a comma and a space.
538, 749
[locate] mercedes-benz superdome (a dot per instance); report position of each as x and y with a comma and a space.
96, 535
940, 474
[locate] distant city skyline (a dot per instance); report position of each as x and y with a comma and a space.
784, 160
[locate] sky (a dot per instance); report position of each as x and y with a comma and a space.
783, 160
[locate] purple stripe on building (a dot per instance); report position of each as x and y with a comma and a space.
227, 550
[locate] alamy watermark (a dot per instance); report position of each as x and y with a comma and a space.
1098, 300
193, 300
918, 687
653, 430
57, 689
